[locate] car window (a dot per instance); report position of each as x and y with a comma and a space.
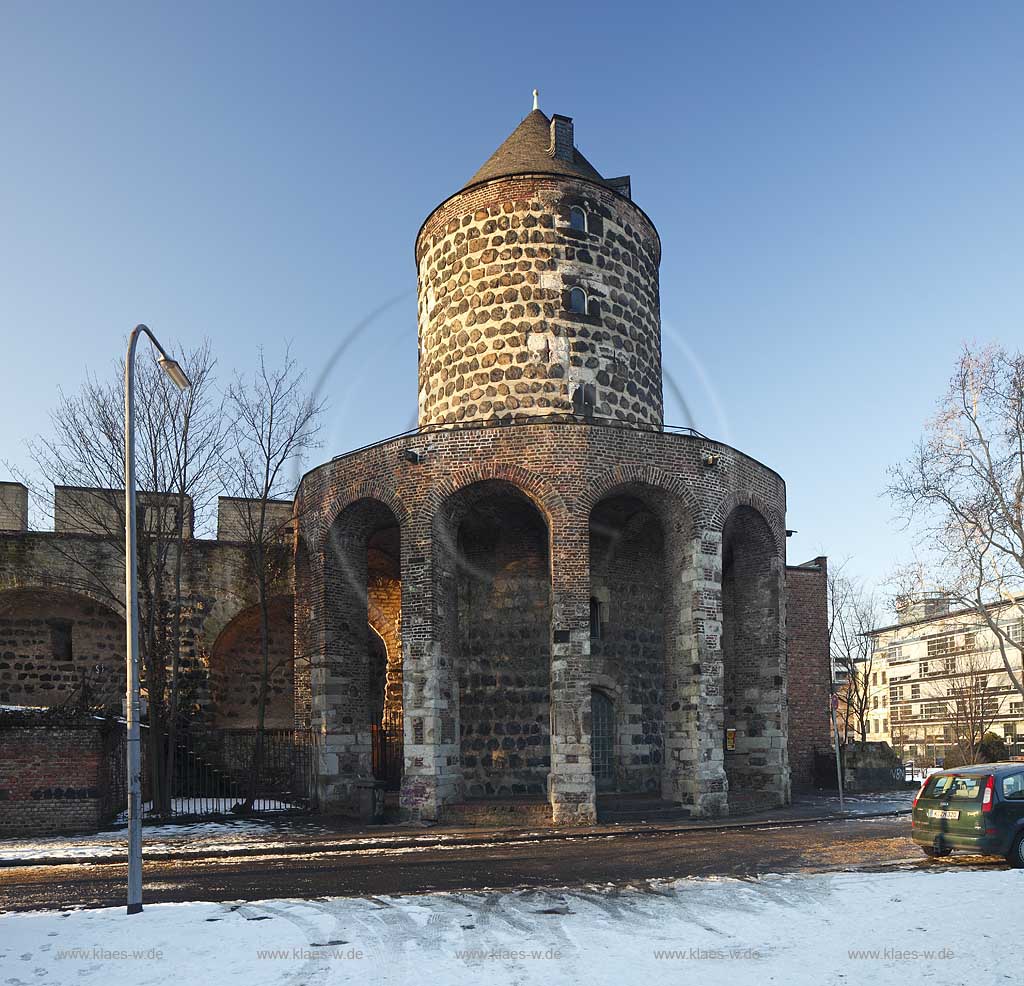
1013, 787
966, 788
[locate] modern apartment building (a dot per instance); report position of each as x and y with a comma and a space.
937, 672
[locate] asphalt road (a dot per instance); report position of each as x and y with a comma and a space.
880, 843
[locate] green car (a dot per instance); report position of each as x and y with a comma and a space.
979, 809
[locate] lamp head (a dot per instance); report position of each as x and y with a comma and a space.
173, 369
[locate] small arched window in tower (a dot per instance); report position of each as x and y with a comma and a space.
577, 219
578, 301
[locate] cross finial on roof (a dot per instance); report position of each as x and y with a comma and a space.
536, 94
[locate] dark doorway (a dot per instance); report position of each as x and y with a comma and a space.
602, 740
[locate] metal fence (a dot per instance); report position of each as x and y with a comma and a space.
388, 749
213, 771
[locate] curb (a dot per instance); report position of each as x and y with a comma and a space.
485, 837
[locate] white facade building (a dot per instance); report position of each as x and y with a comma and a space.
919, 674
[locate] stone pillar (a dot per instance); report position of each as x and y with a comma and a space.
306, 616
694, 773
571, 781
432, 777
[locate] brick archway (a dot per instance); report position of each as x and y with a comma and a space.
773, 519
540, 491
359, 584
667, 492
492, 589
753, 662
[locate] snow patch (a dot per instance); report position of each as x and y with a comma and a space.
888, 929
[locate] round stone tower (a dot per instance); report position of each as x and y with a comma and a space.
552, 595
538, 292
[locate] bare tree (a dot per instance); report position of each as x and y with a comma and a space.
178, 441
852, 612
274, 422
963, 488
973, 697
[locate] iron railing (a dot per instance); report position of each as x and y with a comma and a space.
388, 749
213, 773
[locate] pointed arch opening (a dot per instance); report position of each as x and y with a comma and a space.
495, 598
752, 663
361, 703
629, 558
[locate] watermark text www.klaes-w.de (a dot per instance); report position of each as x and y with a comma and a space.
304, 954
708, 954
111, 954
901, 954
506, 954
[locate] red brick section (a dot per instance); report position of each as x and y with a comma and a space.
53, 776
809, 671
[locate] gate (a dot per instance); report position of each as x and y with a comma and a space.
213, 773
602, 740
389, 749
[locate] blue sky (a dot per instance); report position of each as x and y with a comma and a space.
838, 189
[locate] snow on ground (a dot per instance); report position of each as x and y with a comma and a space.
205, 836
155, 838
939, 927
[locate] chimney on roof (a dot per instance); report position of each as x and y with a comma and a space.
561, 137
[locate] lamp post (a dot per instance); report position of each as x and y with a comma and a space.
131, 603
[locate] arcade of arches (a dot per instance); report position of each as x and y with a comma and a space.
473, 676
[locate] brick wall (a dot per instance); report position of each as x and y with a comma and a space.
809, 669
60, 614
53, 775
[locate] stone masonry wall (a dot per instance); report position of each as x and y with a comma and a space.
236, 669
498, 340
627, 654
504, 614
52, 583
51, 642
565, 469
754, 662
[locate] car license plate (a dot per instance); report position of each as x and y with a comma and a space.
939, 813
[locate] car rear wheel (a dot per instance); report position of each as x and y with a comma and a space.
936, 852
1015, 857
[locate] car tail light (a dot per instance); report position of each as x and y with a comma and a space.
919, 791
986, 800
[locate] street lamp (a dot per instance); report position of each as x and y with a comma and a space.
131, 603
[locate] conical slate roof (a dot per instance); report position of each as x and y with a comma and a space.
527, 150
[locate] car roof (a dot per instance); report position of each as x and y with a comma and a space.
984, 768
